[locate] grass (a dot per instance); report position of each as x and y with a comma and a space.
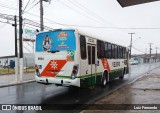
5, 71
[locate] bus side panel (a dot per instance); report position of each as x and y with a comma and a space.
85, 78
88, 71
117, 68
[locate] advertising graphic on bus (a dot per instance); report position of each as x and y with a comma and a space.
55, 41
69, 58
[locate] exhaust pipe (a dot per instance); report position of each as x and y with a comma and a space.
47, 80
61, 81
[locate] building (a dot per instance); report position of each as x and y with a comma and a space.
145, 58
28, 61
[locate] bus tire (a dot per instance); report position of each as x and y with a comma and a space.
104, 80
122, 76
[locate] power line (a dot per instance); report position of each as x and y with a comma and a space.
8, 7
84, 9
26, 6
89, 11
7, 3
62, 23
79, 12
68, 25
54, 22
32, 2
51, 21
7, 17
94, 14
14, 8
30, 22
138, 50
5, 22
26, 21
32, 6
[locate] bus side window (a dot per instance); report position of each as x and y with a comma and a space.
83, 47
109, 51
102, 50
124, 53
99, 49
93, 55
127, 53
89, 55
120, 52
106, 50
113, 51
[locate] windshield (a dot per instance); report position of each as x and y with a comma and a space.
56, 41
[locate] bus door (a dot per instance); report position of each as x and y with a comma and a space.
91, 63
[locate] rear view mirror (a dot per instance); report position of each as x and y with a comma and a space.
97, 63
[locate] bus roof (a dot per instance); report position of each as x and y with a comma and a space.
84, 34
53, 30
92, 36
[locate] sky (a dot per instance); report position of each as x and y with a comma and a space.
104, 19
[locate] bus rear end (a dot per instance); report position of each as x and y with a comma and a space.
55, 58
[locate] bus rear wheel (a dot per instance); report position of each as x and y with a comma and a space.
104, 80
122, 76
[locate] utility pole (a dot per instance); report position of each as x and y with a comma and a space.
41, 16
20, 40
145, 55
16, 50
131, 43
156, 54
41, 13
15, 32
150, 49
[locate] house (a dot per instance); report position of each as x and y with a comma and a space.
146, 58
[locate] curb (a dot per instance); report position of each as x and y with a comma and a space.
14, 73
18, 83
142, 75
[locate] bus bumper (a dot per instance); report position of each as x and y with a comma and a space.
58, 81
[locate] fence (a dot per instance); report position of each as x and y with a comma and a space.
7, 69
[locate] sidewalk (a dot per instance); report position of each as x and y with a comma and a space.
6, 80
145, 90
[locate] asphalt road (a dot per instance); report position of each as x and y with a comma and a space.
34, 93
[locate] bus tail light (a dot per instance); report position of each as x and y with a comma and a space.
37, 69
74, 72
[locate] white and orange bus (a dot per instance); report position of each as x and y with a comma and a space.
69, 58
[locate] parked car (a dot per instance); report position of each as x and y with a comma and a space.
133, 62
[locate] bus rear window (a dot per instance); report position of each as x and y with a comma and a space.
56, 41
83, 47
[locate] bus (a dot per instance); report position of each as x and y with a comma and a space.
66, 57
